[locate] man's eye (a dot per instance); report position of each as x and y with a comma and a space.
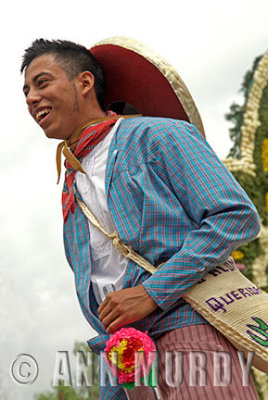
41, 82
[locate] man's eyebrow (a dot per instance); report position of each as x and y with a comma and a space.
35, 79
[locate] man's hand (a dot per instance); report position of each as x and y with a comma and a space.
125, 306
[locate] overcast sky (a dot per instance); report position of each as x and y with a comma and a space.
210, 43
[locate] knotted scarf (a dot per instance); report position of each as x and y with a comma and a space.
88, 136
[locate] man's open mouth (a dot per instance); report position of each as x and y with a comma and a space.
40, 115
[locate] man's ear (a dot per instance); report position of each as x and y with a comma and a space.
86, 81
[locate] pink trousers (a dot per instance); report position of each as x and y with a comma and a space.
197, 362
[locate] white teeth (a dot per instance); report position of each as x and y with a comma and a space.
40, 114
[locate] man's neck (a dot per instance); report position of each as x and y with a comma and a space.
75, 136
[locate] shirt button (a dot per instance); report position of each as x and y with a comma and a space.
85, 190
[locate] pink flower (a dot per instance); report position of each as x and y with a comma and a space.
126, 342
240, 266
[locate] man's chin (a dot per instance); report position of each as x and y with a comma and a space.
54, 134
50, 135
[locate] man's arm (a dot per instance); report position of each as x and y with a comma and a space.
223, 216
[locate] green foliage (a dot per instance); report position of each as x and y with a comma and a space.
235, 116
250, 251
258, 387
248, 78
46, 396
65, 393
256, 187
236, 112
62, 392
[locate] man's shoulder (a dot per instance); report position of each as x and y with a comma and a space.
152, 127
150, 122
142, 138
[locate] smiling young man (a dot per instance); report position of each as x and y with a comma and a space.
153, 181
58, 101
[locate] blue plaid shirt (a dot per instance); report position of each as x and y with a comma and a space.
172, 200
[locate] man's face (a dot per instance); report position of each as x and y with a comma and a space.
52, 99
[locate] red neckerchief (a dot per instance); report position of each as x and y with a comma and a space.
89, 138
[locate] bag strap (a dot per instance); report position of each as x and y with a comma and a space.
118, 243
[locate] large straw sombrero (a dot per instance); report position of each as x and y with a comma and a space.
138, 78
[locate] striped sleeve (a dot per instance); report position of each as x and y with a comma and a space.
222, 215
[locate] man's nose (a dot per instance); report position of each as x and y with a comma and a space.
33, 97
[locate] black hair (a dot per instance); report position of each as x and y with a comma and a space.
73, 58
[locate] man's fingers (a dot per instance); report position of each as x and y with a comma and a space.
103, 305
109, 306
107, 310
110, 317
116, 324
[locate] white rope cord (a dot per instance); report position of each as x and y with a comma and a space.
118, 243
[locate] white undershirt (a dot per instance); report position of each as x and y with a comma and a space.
107, 264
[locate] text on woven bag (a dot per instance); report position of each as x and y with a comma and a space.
220, 302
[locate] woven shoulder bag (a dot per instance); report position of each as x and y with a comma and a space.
224, 297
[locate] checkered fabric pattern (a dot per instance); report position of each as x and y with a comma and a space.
172, 200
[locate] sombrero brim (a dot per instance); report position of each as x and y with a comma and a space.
135, 75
